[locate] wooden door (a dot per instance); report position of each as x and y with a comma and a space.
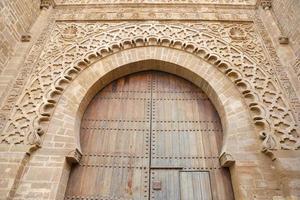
150, 135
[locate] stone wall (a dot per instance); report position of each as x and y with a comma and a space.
77, 43
16, 17
287, 14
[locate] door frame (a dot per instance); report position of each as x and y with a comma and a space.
231, 106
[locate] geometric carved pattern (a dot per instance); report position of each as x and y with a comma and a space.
297, 68
278, 68
86, 43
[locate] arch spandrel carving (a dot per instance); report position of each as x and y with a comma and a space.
270, 112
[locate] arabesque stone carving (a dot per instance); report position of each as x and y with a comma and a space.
279, 70
12, 95
269, 144
236, 54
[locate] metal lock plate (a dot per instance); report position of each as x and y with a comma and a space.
156, 185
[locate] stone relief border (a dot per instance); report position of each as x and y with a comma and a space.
271, 114
296, 67
161, 13
214, 2
280, 72
12, 95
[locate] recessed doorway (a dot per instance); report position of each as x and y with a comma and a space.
150, 135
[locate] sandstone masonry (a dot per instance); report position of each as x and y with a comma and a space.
56, 55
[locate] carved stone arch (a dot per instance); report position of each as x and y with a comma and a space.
233, 111
271, 114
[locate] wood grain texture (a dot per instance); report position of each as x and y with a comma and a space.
195, 185
145, 127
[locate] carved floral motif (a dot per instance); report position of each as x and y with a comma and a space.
237, 33
69, 32
233, 49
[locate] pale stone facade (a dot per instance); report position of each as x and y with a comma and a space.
242, 53
16, 18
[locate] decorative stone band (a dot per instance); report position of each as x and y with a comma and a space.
214, 2
296, 67
270, 113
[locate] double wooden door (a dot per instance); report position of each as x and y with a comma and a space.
150, 135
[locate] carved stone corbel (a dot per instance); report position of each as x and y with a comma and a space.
74, 156
26, 37
266, 4
45, 4
226, 160
32, 148
283, 40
